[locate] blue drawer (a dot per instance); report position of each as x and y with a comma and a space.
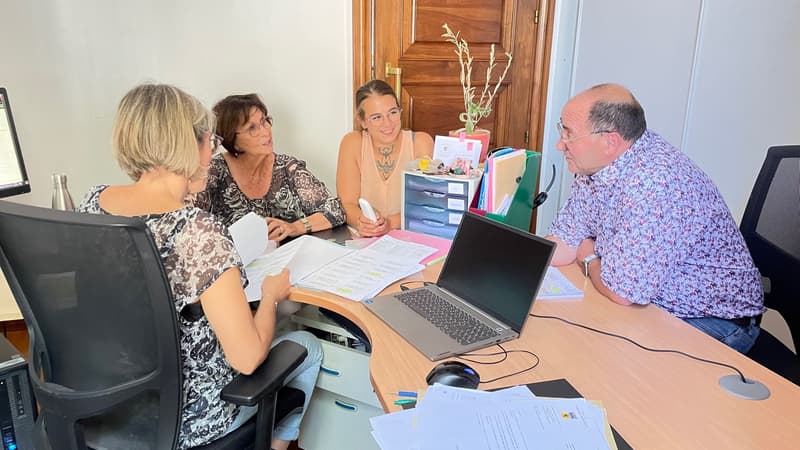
438, 215
437, 185
436, 199
431, 227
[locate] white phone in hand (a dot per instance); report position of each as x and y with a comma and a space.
367, 210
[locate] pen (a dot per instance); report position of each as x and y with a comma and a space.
407, 394
403, 401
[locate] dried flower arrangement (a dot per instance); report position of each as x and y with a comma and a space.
474, 110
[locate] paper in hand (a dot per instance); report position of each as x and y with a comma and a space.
249, 236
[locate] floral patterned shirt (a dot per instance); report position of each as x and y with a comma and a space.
195, 248
664, 234
293, 193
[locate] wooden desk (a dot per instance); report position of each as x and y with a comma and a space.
654, 400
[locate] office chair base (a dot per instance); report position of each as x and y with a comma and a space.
748, 390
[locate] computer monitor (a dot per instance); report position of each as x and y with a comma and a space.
13, 177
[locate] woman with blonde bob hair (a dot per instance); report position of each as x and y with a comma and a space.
163, 138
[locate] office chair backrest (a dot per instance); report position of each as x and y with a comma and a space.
771, 227
103, 331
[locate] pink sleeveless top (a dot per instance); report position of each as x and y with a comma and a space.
384, 195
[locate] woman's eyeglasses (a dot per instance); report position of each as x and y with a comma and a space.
393, 116
253, 129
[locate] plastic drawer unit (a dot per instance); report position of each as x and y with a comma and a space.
434, 204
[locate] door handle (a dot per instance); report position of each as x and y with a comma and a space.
396, 72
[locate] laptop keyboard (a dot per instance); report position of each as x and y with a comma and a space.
454, 322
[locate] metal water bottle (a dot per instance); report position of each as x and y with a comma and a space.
61, 198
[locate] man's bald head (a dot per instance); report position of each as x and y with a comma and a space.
613, 107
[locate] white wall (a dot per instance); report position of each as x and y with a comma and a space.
745, 91
717, 78
66, 65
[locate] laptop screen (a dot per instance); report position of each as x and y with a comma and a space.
13, 177
496, 268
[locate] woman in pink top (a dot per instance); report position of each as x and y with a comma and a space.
371, 160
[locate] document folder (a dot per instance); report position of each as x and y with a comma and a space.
521, 206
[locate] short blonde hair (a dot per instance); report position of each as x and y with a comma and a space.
158, 125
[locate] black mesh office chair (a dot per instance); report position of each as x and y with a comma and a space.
104, 336
771, 228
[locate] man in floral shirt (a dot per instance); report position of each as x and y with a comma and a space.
646, 225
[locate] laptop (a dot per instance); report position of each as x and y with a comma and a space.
483, 296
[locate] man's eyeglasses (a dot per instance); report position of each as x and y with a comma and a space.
393, 115
565, 139
253, 129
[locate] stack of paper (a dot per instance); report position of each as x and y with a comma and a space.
320, 264
556, 286
453, 418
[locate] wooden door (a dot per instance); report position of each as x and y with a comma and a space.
406, 34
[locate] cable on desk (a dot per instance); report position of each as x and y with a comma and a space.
655, 350
505, 357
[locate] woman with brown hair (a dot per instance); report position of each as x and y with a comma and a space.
252, 177
371, 160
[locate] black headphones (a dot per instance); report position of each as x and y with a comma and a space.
542, 196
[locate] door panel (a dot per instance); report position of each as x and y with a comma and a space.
407, 34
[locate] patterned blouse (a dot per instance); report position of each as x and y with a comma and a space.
664, 232
195, 248
293, 193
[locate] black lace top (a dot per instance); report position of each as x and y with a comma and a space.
293, 193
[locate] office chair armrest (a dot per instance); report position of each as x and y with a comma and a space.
269, 377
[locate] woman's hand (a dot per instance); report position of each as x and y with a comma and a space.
368, 228
279, 230
276, 288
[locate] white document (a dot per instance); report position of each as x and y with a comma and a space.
361, 274
407, 251
556, 286
442, 393
249, 236
510, 425
510, 419
447, 149
395, 431
354, 274
302, 257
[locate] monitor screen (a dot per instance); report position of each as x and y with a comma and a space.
13, 177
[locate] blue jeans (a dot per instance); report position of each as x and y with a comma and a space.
738, 337
304, 378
